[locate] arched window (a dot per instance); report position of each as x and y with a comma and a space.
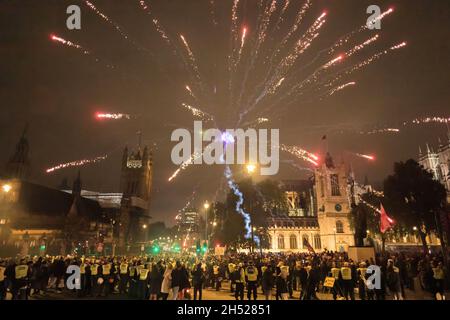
280, 241
293, 241
317, 242
339, 227
305, 240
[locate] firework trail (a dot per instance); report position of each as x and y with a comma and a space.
426, 120
384, 130
298, 20
244, 35
68, 43
186, 164
77, 163
197, 112
296, 166
364, 63
286, 64
234, 35
362, 45
343, 40
212, 11
264, 19
301, 46
239, 204
365, 156
341, 87
112, 116
159, 28
112, 23
262, 34
193, 62
301, 154
281, 17
191, 93
256, 122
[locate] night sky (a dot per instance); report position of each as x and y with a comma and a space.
57, 89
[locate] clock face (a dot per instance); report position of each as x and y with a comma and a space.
338, 207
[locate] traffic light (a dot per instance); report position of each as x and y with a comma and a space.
198, 246
156, 249
205, 247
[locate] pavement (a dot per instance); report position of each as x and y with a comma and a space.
209, 294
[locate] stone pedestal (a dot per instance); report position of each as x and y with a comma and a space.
358, 254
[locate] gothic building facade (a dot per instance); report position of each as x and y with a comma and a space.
319, 213
438, 162
135, 186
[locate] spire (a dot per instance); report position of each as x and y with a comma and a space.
125, 157
329, 161
428, 149
420, 151
18, 165
366, 180
77, 186
64, 184
139, 134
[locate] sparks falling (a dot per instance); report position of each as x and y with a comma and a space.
68, 43
107, 19
186, 164
365, 156
301, 154
430, 120
78, 163
112, 116
342, 87
197, 112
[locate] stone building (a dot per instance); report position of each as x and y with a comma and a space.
318, 216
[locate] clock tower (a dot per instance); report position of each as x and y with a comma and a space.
333, 209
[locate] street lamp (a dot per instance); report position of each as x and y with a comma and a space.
250, 170
6, 188
335, 242
206, 207
144, 227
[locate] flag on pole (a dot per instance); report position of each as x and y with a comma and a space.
308, 246
386, 222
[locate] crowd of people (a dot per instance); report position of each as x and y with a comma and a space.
184, 276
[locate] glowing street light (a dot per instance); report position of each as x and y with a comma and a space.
250, 168
144, 226
6, 188
206, 205
415, 228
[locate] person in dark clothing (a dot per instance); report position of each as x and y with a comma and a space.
176, 280
198, 278
303, 280
268, 282
156, 278
311, 283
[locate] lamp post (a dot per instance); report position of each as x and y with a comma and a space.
335, 242
6, 188
206, 207
144, 228
250, 170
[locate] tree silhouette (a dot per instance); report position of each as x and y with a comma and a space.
414, 198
